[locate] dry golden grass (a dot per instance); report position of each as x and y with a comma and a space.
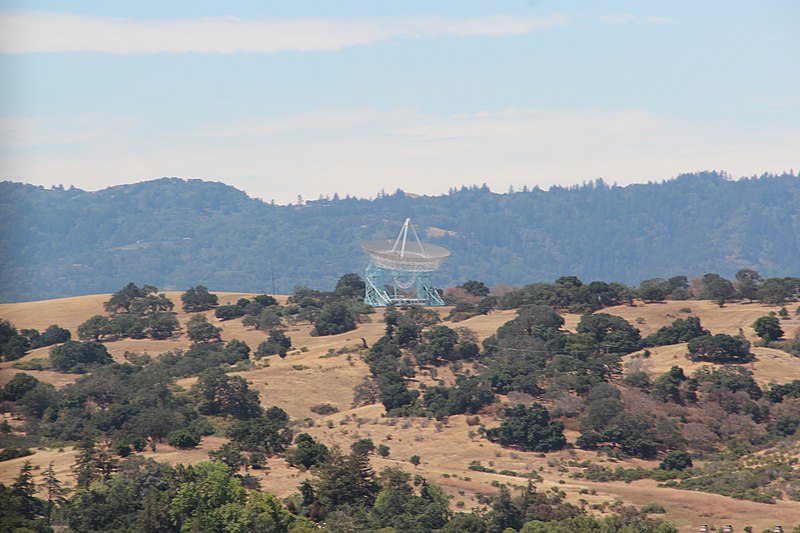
728, 319
312, 376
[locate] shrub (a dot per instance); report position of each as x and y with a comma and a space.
363, 446
654, 508
676, 460
14, 453
183, 438
229, 312
324, 409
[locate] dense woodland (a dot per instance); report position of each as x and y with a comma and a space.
543, 376
175, 233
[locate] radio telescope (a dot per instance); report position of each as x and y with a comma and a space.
399, 271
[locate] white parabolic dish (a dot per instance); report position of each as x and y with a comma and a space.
414, 257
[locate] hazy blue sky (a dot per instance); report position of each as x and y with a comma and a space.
316, 97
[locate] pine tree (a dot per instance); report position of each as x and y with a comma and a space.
56, 494
85, 466
106, 461
25, 488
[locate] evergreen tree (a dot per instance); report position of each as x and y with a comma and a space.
56, 493
85, 466
24, 487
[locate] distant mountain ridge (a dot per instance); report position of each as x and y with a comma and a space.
177, 233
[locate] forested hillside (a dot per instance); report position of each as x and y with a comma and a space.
177, 233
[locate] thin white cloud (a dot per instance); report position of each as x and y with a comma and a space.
364, 151
627, 18
35, 31
658, 20
622, 18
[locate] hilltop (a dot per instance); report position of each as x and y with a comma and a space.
324, 370
177, 233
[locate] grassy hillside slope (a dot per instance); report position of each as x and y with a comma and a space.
318, 374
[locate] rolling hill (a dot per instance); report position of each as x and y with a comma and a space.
177, 233
317, 372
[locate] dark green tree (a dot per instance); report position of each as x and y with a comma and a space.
350, 286
162, 325
475, 288
236, 350
441, 342
775, 291
681, 330
123, 299
19, 385
720, 348
198, 299
220, 394
199, 329
52, 335
268, 433
278, 343
717, 289
230, 454
654, 290
529, 428
24, 487
183, 439
85, 466
612, 333
676, 460
334, 318
768, 327
77, 357
747, 283
307, 452
346, 480
54, 491
94, 328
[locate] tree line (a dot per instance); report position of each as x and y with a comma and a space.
173, 232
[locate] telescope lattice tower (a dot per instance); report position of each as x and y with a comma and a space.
399, 271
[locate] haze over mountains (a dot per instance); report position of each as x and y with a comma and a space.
178, 233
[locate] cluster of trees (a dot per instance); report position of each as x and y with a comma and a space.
413, 338
131, 406
681, 330
530, 429
14, 344
140, 494
580, 372
134, 404
343, 494
569, 293
346, 494
334, 312
76, 357
719, 348
137, 312
330, 313
247, 307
